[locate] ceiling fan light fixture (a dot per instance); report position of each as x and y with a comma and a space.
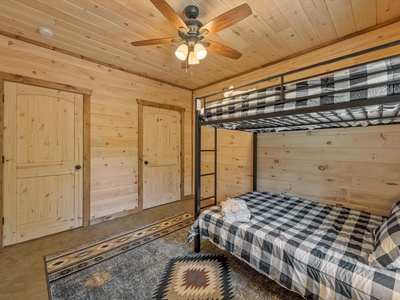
192, 31
182, 52
200, 51
193, 60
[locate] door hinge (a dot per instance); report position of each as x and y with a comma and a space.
2, 159
2, 98
2, 220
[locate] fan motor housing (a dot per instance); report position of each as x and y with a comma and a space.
191, 12
193, 25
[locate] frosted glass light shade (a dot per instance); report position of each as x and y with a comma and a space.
182, 51
193, 59
200, 51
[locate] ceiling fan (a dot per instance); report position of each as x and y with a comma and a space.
192, 32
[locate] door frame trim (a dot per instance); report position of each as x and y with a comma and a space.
86, 135
181, 110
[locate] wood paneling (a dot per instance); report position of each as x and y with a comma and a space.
113, 114
101, 31
235, 164
357, 167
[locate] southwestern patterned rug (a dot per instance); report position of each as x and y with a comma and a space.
202, 277
141, 263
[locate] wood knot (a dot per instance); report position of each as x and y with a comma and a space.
321, 168
276, 161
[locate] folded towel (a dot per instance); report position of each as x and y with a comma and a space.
233, 93
235, 210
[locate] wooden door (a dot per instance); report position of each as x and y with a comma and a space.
161, 156
43, 151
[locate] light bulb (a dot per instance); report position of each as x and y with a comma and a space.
200, 51
182, 51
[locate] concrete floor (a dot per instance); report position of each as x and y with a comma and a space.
22, 273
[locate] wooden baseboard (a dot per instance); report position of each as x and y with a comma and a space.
126, 213
113, 216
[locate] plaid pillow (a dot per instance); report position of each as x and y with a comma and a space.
387, 241
395, 207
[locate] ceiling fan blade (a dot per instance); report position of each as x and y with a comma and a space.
169, 13
153, 42
224, 50
227, 19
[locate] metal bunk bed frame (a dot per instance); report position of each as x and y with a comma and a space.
201, 102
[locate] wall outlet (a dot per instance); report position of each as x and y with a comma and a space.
130, 151
99, 152
99, 142
130, 189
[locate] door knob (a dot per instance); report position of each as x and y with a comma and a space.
77, 167
146, 162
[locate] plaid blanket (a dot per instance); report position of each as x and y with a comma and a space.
317, 250
372, 80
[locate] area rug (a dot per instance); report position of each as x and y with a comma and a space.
133, 265
64, 263
203, 277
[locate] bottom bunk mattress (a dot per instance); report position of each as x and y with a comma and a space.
316, 250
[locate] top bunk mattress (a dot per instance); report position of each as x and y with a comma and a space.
310, 104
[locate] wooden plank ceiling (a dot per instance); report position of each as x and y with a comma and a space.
102, 31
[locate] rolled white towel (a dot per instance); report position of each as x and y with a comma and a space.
235, 210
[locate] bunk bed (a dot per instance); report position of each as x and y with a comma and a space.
317, 250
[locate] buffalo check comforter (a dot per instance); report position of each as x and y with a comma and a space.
316, 250
372, 80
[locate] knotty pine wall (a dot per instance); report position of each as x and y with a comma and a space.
234, 168
353, 196
114, 119
355, 167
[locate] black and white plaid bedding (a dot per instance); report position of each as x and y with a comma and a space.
376, 79
317, 250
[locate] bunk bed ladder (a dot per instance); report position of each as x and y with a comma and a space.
198, 175
214, 173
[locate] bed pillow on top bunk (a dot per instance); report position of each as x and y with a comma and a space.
386, 252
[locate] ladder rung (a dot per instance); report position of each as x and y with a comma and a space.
202, 199
205, 206
208, 150
207, 174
